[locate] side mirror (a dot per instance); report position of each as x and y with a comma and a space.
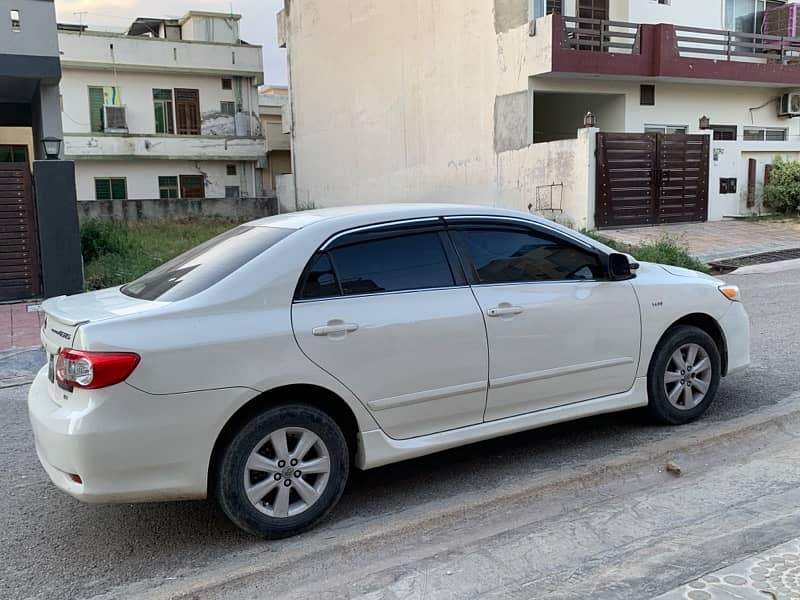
619, 267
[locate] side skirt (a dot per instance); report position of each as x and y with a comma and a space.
377, 449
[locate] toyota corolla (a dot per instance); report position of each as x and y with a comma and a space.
263, 365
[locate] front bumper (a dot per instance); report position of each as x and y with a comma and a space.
127, 445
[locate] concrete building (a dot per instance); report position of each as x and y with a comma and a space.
484, 101
167, 110
273, 102
39, 246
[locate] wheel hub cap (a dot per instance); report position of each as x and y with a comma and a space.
287, 472
687, 376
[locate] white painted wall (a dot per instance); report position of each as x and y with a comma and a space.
210, 28
404, 110
94, 50
142, 176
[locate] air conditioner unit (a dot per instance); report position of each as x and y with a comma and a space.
114, 119
790, 105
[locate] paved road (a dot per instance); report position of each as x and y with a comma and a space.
54, 547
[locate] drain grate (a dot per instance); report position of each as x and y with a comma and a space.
728, 264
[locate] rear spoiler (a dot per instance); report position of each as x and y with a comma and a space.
49, 307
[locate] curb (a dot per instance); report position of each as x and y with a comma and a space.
350, 538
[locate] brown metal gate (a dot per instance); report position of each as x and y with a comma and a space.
19, 254
651, 178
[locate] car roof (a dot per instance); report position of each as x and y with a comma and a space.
377, 213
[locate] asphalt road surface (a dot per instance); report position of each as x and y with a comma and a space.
581, 503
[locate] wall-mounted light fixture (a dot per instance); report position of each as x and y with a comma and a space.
589, 120
705, 123
52, 147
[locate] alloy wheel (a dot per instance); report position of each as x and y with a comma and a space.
287, 472
688, 376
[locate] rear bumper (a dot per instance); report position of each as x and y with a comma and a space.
736, 327
129, 446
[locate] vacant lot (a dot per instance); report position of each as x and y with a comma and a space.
116, 252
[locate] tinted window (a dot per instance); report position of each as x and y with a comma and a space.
393, 264
509, 256
320, 280
205, 265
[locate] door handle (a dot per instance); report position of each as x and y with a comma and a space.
341, 328
504, 311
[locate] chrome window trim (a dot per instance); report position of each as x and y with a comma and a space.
528, 222
391, 293
377, 226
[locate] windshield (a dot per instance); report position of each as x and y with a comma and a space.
203, 266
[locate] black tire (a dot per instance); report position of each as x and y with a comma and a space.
659, 406
229, 478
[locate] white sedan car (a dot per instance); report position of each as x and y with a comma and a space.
258, 367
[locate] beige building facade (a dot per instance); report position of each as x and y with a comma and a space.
273, 102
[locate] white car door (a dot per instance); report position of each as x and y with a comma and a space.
559, 331
389, 314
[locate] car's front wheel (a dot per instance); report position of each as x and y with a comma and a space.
283, 471
684, 375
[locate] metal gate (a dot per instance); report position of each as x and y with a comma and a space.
651, 178
19, 253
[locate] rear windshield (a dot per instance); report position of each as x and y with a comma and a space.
203, 266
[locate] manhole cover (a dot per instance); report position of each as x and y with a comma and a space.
730, 264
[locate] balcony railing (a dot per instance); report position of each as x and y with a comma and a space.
695, 42
600, 35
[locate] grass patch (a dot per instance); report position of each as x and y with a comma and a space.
665, 250
116, 252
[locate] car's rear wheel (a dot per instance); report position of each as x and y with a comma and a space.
684, 375
283, 471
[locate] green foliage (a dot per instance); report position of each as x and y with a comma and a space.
665, 250
99, 238
116, 252
783, 190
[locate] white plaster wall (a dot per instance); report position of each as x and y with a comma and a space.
142, 176
684, 103
208, 28
404, 110
94, 49
136, 90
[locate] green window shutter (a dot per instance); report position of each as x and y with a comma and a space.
118, 189
102, 189
168, 187
96, 100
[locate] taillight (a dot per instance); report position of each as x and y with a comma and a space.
93, 370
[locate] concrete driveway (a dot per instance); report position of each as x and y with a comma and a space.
718, 240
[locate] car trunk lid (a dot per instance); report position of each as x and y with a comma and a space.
66, 314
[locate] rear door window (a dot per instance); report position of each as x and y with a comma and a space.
393, 264
203, 266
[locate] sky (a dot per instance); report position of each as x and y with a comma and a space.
257, 25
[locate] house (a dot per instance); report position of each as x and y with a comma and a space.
486, 101
168, 109
39, 242
272, 101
